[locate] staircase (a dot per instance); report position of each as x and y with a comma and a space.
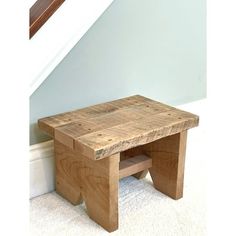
58, 36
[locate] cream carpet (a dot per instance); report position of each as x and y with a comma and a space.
142, 209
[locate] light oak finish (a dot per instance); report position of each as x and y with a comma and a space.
132, 153
167, 166
134, 165
96, 182
96, 146
103, 130
168, 158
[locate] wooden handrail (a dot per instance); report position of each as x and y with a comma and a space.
40, 12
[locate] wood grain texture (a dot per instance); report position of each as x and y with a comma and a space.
67, 174
96, 146
134, 152
168, 159
40, 12
134, 165
96, 182
102, 130
118, 111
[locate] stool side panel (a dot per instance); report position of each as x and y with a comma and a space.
168, 161
96, 182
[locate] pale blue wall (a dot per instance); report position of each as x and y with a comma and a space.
154, 47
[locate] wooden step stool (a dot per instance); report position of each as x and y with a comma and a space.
98, 145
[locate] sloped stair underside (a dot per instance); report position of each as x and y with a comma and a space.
59, 35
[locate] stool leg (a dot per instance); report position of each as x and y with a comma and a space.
168, 158
141, 174
67, 174
97, 181
100, 191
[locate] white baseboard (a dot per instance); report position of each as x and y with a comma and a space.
42, 178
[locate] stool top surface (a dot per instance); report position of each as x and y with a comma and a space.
102, 130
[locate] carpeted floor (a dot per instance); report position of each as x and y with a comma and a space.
142, 209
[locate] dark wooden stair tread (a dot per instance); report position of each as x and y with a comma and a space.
40, 12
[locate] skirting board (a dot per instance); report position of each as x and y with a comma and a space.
42, 178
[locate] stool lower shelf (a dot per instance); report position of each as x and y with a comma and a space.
134, 165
